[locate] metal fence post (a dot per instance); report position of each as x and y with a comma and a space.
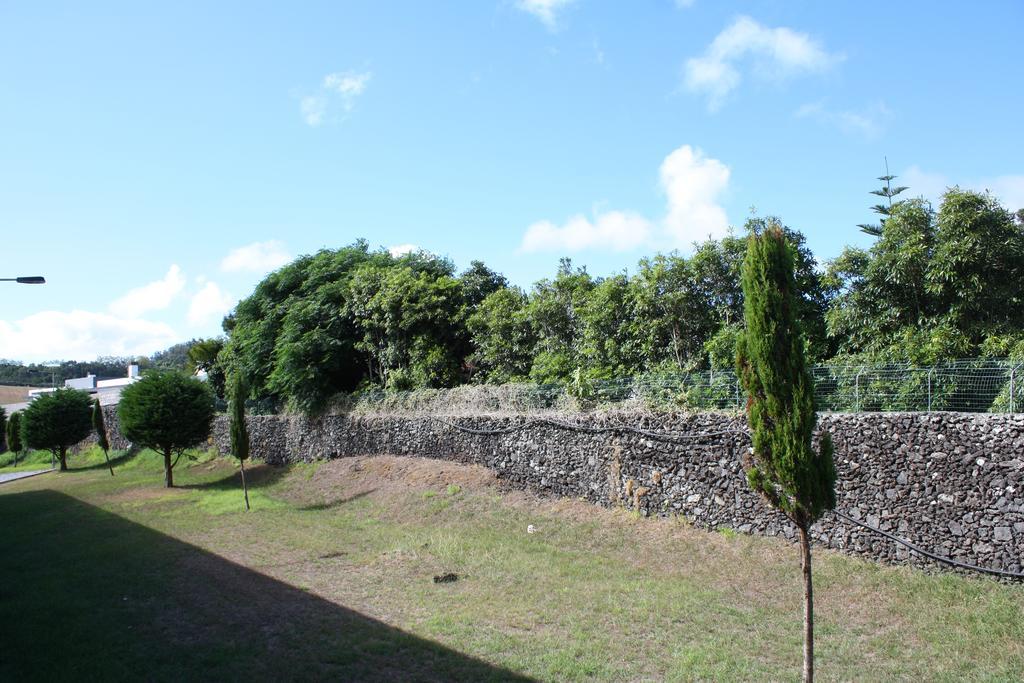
1013, 371
930, 371
856, 391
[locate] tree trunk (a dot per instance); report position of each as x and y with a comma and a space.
107, 456
244, 487
168, 477
63, 460
805, 551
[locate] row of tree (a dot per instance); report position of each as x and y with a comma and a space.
167, 411
935, 285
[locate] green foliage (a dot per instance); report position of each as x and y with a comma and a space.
411, 326
340, 318
784, 467
502, 337
99, 426
205, 356
167, 411
13, 433
478, 282
57, 421
3, 430
934, 287
174, 357
239, 430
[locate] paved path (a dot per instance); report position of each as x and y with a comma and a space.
13, 476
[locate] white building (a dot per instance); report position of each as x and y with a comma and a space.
108, 391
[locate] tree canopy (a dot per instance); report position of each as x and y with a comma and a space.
167, 411
57, 421
933, 286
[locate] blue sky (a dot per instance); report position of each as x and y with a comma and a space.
155, 162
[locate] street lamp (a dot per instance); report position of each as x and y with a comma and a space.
26, 280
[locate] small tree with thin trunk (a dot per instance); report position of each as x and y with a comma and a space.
169, 412
57, 421
14, 435
101, 432
783, 465
239, 430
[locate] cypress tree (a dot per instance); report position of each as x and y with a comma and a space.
101, 432
239, 430
783, 465
14, 435
4, 446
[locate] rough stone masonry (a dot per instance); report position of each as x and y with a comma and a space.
950, 483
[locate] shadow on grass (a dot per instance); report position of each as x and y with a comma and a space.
88, 595
124, 458
257, 476
331, 504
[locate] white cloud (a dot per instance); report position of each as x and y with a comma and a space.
773, 54
258, 257
545, 10
1009, 189
616, 230
81, 335
152, 297
402, 249
313, 109
867, 122
347, 83
208, 303
342, 87
692, 184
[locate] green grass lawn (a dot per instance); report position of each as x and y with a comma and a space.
330, 576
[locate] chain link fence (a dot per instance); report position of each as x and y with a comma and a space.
976, 385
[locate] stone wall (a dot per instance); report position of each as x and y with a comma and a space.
948, 482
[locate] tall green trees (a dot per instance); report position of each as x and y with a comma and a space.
502, 338
934, 286
340, 318
411, 326
167, 411
99, 425
57, 421
783, 466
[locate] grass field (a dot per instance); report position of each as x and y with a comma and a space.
13, 394
330, 576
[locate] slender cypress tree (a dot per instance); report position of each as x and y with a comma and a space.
101, 432
4, 446
14, 435
239, 430
783, 465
